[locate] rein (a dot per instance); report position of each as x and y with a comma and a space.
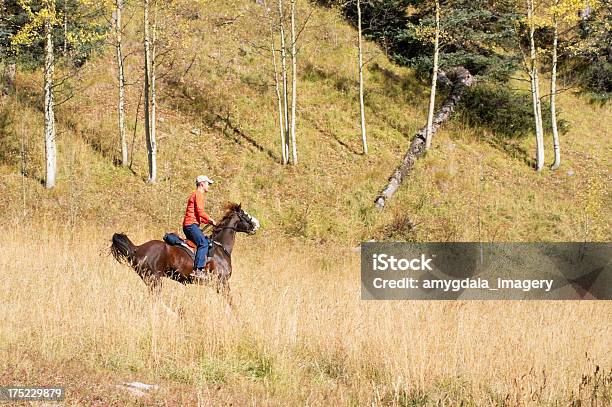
217, 229
222, 247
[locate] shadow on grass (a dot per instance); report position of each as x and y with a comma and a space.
513, 150
406, 88
335, 137
312, 73
13, 150
506, 114
94, 137
235, 133
200, 102
403, 89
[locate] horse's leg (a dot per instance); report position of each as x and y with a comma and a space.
218, 284
226, 292
151, 279
148, 276
154, 283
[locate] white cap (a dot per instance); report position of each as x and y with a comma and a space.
203, 178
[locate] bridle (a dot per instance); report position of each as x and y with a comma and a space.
219, 228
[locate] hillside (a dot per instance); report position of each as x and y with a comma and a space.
300, 334
328, 196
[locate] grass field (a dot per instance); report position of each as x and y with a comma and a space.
72, 316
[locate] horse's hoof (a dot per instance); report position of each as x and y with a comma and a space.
199, 274
201, 280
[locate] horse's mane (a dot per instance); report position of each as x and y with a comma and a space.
230, 208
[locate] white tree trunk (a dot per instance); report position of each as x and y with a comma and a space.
293, 84
121, 78
553, 95
539, 106
434, 80
50, 148
364, 140
153, 115
536, 117
279, 100
284, 78
150, 136
535, 90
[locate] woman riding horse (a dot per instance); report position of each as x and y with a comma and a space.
156, 259
194, 217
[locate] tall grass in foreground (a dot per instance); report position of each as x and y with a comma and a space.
300, 335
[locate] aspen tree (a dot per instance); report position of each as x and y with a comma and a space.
121, 79
434, 79
279, 100
149, 130
50, 146
535, 87
283, 50
293, 85
364, 140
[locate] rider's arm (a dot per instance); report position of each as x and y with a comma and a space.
200, 208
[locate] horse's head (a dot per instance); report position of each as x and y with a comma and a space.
243, 221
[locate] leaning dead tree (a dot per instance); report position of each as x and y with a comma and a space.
463, 79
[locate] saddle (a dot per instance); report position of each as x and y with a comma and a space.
186, 245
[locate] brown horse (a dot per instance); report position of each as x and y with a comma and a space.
156, 259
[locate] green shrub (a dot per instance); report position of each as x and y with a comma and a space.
504, 112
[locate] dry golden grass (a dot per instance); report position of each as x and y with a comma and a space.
70, 315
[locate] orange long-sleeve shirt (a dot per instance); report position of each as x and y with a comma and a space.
195, 210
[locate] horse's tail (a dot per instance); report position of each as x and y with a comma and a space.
123, 249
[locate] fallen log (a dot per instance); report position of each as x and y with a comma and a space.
463, 79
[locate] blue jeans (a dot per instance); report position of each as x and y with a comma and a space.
194, 233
